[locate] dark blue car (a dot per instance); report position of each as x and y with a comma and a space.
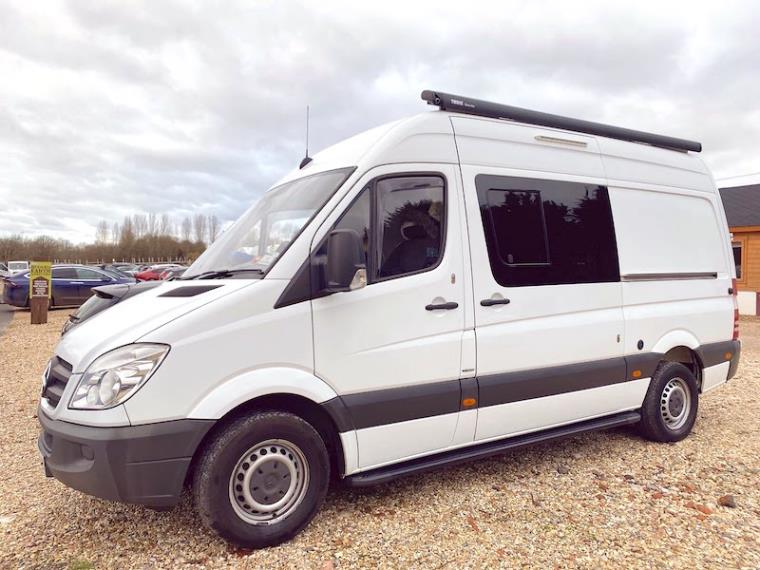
72, 285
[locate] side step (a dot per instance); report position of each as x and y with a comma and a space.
466, 454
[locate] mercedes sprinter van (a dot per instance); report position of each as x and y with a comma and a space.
434, 290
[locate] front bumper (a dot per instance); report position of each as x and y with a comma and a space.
144, 464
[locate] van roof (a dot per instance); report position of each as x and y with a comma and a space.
429, 138
470, 106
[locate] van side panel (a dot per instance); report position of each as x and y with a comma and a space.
663, 232
673, 263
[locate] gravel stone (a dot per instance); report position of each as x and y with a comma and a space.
727, 501
452, 518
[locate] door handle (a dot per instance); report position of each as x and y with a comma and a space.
442, 306
492, 302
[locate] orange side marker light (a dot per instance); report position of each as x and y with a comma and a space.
468, 402
728, 356
636, 373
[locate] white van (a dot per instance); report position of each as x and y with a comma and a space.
438, 289
18, 267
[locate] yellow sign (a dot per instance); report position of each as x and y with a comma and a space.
40, 279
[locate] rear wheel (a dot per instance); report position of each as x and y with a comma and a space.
670, 406
262, 479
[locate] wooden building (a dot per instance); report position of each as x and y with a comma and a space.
742, 206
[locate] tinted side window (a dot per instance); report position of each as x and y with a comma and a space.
409, 224
547, 232
64, 273
83, 273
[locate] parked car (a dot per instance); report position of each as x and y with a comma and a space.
114, 268
103, 298
153, 272
172, 273
71, 284
435, 290
128, 268
18, 266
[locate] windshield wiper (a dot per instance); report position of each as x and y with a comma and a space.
220, 273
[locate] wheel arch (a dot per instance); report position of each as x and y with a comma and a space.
287, 390
682, 346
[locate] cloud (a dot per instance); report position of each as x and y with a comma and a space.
110, 108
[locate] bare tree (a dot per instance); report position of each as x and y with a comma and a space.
101, 232
213, 228
199, 228
165, 225
115, 233
140, 225
186, 229
151, 227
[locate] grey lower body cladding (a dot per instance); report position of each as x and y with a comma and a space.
136, 464
386, 406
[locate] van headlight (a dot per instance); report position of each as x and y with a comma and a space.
113, 377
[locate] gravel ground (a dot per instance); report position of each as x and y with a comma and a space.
600, 500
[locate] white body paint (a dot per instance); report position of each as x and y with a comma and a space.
229, 345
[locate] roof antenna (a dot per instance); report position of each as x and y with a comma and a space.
306, 159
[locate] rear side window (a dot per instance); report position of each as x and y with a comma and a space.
89, 274
64, 273
94, 305
547, 232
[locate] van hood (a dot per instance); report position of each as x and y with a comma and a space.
133, 318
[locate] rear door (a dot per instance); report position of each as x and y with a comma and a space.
547, 293
65, 286
87, 279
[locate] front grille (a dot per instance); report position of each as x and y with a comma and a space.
55, 382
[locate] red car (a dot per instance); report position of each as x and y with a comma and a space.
153, 273
171, 273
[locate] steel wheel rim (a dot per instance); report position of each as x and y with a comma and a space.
268, 482
675, 403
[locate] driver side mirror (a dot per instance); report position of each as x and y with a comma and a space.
345, 269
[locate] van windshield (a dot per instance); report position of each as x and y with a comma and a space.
254, 242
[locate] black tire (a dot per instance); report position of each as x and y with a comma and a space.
212, 486
658, 418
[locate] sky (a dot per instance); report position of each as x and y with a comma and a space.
113, 108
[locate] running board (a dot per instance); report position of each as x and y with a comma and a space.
466, 454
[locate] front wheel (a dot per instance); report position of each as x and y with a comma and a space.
670, 406
262, 479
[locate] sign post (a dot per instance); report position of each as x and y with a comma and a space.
40, 290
